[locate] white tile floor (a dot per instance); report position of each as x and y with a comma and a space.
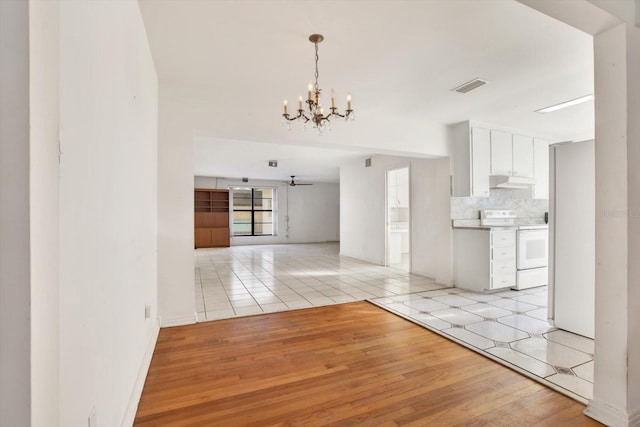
509, 326
246, 280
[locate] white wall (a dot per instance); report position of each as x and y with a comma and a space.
15, 405
44, 118
313, 211
108, 208
362, 213
176, 293
362, 208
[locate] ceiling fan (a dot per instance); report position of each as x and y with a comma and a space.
293, 183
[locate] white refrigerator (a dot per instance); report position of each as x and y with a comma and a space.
572, 237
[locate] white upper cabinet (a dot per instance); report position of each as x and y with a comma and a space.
477, 152
523, 158
480, 162
541, 168
501, 153
511, 154
470, 160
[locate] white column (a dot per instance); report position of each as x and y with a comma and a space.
44, 208
616, 398
176, 293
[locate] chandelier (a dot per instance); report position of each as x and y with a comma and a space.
313, 110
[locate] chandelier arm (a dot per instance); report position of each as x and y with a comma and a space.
289, 118
334, 112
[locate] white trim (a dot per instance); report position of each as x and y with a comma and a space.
169, 322
136, 393
359, 258
611, 416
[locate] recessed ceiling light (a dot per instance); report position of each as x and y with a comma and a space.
470, 85
565, 104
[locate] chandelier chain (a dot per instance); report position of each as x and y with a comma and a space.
317, 73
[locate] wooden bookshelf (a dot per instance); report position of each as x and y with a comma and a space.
211, 220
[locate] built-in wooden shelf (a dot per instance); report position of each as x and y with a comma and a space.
211, 210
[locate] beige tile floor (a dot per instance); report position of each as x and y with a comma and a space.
508, 326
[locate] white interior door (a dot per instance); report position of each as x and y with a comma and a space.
398, 218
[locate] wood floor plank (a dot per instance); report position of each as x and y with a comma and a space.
347, 364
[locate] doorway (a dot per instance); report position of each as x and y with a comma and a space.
398, 247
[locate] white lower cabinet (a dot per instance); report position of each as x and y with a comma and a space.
484, 259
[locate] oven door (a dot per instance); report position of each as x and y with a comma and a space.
532, 249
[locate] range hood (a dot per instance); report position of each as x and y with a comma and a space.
510, 182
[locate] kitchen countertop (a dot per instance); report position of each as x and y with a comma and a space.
474, 224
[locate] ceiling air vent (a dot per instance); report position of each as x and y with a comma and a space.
470, 85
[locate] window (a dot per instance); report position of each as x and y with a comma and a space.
253, 211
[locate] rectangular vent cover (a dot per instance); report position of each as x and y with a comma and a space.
471, 85
367, 163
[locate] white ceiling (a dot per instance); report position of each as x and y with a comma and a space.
307, 163
400, 59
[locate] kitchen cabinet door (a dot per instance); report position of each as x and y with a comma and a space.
523, 156
501, 153
541, 168
480, 162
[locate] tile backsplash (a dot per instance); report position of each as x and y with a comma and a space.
518, 200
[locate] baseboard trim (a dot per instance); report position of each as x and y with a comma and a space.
134, 399
371, 261
168, 322
423, 274
611, 416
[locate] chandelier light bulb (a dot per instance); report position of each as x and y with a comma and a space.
314, 111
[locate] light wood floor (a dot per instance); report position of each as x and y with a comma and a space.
349, 364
